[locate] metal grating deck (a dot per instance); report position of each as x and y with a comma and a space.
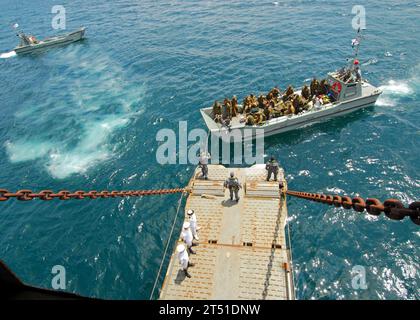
242, 250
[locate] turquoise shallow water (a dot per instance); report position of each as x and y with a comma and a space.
86, 116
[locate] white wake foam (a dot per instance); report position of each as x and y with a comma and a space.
396, 88
88, 152
20, 151
392, 91
99, 102
7, 55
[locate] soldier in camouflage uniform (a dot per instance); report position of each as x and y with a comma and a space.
306, 92
217, 109
233, 184
272, 167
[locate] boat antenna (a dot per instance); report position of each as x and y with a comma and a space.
355, 43
15, 27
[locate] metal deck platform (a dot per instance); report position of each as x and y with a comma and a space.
242, 250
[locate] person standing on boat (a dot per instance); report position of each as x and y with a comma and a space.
203, 162
193, 223
187, 236
233, 184
357, 72
272, 167
184, 259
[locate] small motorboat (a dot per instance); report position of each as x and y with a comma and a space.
29, 43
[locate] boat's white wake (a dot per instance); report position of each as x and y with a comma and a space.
397, 88
100, 103
7, 55
392, 91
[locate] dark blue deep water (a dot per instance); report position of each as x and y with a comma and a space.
85, 116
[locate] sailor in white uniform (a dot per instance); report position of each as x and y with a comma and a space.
184, 259
193, 223
187, 236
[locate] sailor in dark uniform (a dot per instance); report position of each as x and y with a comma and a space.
272, 167
233, 184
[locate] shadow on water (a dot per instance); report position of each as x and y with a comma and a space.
297, 136
327, 126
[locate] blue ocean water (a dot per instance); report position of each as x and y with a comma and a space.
85, 116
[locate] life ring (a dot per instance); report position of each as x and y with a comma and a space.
336, 87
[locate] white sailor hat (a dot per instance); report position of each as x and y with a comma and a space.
186, 225
190, 212
180, 248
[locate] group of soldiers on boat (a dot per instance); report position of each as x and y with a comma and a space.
256, 110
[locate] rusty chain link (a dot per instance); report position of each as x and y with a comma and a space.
392, 208
26, 195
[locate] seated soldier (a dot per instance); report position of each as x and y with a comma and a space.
217, 109
253, 101
250, 120
288, 93
234, 106
306, 92
295, 105
268, 111
290, 109
323, 87
246, 105
275, 92
281, 107
309, 105
314, 87
300, 103
261, 101
259, 118
228, 108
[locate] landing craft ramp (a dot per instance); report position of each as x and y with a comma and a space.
242, 251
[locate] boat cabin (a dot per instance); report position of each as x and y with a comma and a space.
342, 90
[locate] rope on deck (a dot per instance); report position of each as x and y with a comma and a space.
167, 246
393, 208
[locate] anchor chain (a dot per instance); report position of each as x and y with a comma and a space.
393, 208
26, 195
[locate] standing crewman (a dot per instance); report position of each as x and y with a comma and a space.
193, 223
233, 184
187, 236
203, 164
272, 166
184, 259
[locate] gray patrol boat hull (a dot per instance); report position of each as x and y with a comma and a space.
350, 99
52, 41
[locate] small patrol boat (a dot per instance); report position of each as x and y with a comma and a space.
29, 43
346, 91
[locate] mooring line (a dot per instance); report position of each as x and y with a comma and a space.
167, 246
